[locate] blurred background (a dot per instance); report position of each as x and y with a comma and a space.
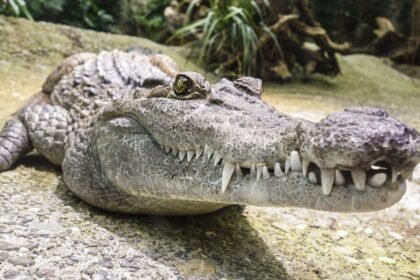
272, 39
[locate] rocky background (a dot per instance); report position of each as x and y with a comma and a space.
48, 233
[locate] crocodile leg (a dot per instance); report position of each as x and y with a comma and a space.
38, 124
47, 127
14, 139
14, 142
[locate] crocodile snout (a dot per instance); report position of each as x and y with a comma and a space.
360, 146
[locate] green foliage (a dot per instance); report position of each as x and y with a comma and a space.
147, 19
82, 13
15, 8
40, 7
90, 14
228, 37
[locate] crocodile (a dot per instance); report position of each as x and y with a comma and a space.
134, 134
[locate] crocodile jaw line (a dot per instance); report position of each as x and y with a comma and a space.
327, 178
210, 179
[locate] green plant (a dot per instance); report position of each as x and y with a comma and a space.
92, 15
82, 13
16, 8
228, 37
47, 10
147, 19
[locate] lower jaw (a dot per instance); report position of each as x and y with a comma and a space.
291, 190
294, 190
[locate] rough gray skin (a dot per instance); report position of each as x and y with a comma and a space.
132, 136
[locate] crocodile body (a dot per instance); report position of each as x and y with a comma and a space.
135, 135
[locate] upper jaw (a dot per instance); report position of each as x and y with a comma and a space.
331, 180
379, 171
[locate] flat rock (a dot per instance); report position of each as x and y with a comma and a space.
47, 229
11, 274
7, 246
21, 260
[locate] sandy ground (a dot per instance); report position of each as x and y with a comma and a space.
48, 233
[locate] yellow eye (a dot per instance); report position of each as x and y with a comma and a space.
182, 85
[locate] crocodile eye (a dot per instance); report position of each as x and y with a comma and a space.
182, 85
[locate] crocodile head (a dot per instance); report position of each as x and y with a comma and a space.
192, 142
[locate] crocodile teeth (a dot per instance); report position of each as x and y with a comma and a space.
228, 170
167, 149
407, 174
198, 152
394, 175
327, 180
206, 150
238, 170
217, 157
174, 151
359, 179
190, 155
210, 151
265, 174
287, 166
277, 169
339, 178
377, 180
182, 155
295, 161
252, 170
305, 165
312, 178
259, 170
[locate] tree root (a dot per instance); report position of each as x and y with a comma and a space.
292, 31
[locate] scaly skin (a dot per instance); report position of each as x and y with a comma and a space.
131, 137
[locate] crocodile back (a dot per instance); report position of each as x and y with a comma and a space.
107, 77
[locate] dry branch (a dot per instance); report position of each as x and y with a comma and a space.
291, 32
277, 27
